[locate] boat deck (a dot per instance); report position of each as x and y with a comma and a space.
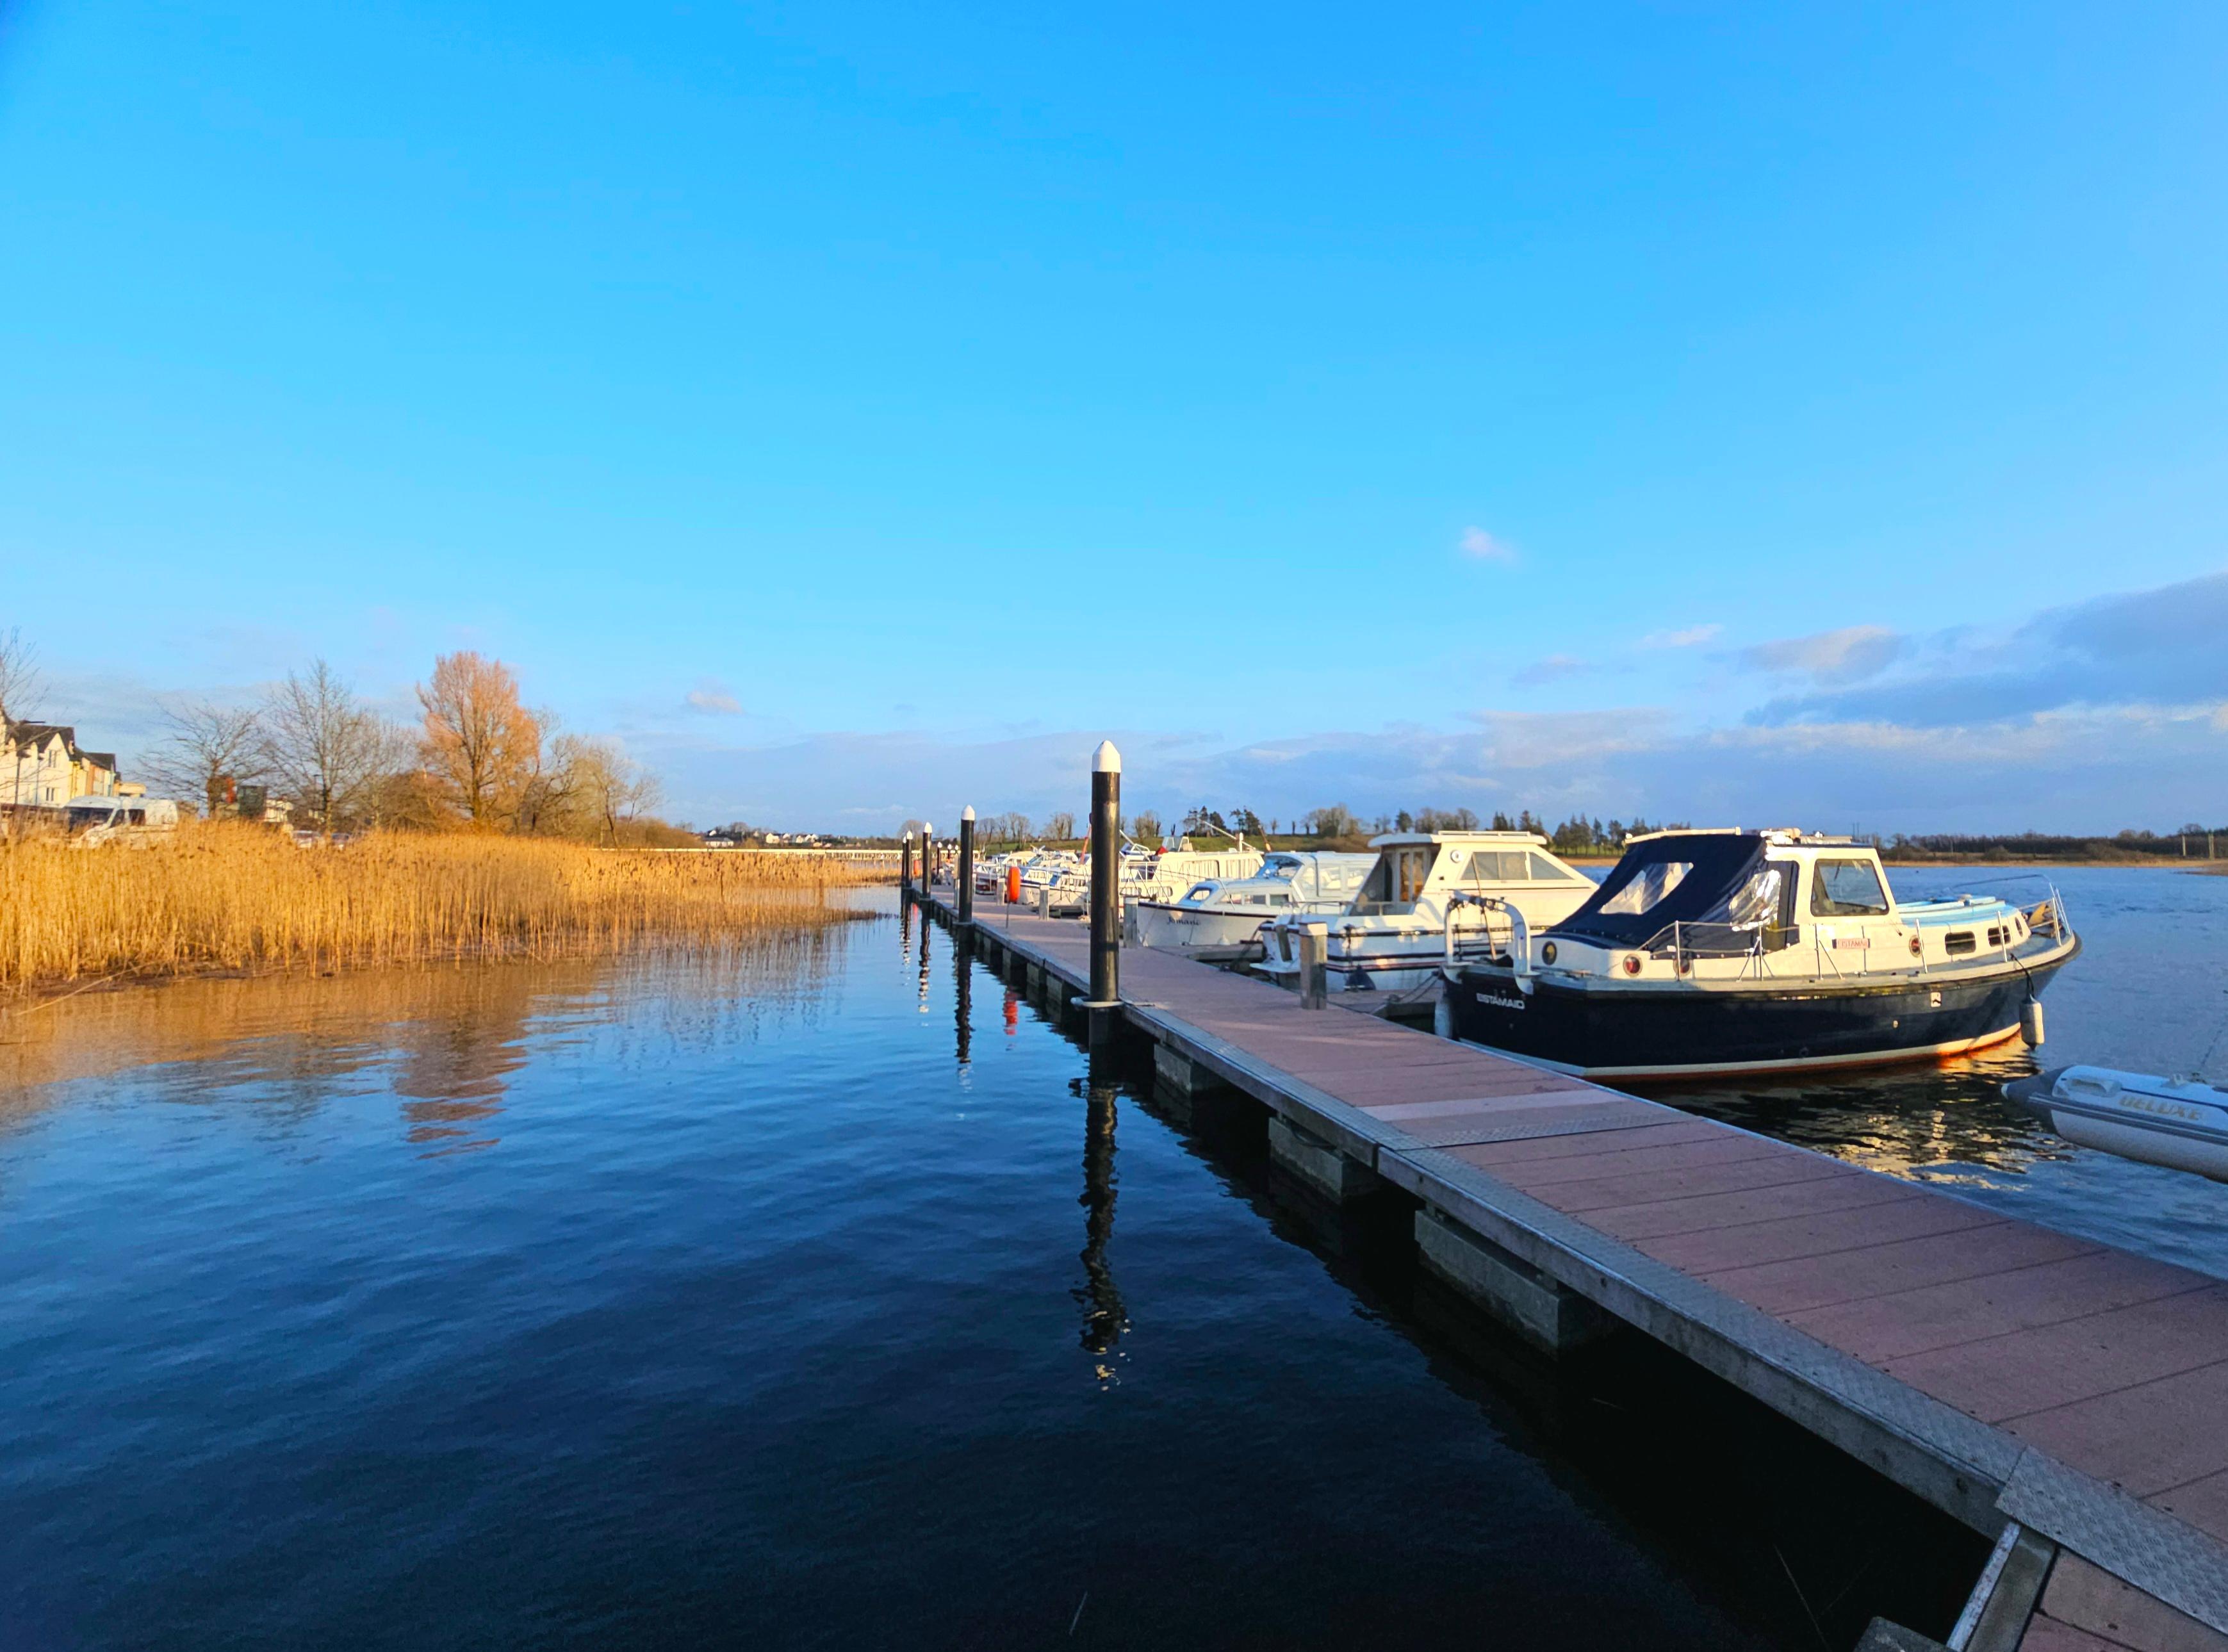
2003, 1371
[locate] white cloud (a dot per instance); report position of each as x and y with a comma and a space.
1688, 636
1484, 548
714, 699
1554, 668
1848, 655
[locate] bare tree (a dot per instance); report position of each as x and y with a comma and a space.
612, 788
327, 749
1060, 826
207, 745
480, 744
19, 690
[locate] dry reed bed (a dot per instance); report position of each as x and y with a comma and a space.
223, 896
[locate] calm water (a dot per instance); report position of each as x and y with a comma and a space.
822, 1294
815, 1296
2149, 992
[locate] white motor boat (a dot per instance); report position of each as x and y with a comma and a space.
1430, 898
2181, 1123
1230, 914
1166, 874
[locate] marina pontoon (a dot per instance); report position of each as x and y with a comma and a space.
1737, 951
1430, 896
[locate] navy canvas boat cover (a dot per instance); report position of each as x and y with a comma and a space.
1688, 878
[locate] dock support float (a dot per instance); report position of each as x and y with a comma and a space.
1317, 1163
1550, 1315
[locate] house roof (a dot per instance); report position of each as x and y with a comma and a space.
106, 760
40, 733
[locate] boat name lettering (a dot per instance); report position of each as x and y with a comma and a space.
2163, 1109
1500, 1000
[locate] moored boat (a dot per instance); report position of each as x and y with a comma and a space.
1230, 913
2181, 1123
1740, 952
1429, 897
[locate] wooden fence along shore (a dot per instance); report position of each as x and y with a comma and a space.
2066, 1399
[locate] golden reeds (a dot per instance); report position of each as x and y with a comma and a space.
225, 896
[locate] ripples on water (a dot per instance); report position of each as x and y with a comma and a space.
815, 1293
2149, 993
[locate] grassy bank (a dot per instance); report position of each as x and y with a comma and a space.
220, 896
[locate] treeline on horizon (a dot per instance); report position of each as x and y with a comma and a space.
1335, 825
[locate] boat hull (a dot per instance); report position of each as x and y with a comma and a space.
1165, 924
2157, 1122
1680, 1032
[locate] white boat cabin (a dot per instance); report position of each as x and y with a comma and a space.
1738, 905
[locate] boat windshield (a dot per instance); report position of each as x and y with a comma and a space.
87, 816
1279, 865
1846, 889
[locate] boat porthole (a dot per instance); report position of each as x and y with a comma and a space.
1631, 964
1914, 946
1686, 966
1547, 953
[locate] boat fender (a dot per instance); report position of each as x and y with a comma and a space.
2031, 1023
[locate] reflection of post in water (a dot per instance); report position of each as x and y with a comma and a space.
905, 928
964, 995
1103, 1317
924, 927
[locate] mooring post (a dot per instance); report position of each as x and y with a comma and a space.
904, 864
1105, 891
966, 902
1315, 965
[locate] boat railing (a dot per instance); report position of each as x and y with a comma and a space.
2034, 895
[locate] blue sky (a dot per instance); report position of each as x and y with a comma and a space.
1785, 413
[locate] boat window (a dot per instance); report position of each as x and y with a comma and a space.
81, 818
1846, 889
1202, 892
1409, 868
1648, 890
1958, 942
1546, 871
1757, 901
1500, 866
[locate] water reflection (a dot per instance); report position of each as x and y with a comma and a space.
1104, 1319
962, 999
446, 1042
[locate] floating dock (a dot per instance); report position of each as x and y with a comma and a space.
2068, 1399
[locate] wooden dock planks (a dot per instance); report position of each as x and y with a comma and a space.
1996, 1366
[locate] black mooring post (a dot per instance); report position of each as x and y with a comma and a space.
927, 862
965, 905
1105, 880
904, 866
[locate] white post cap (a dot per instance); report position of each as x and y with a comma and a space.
968, 813
1106, 759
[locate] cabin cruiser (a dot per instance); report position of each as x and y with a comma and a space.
2181, 1123
1230, 913
1749, 952
1166, 874
1429, 898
